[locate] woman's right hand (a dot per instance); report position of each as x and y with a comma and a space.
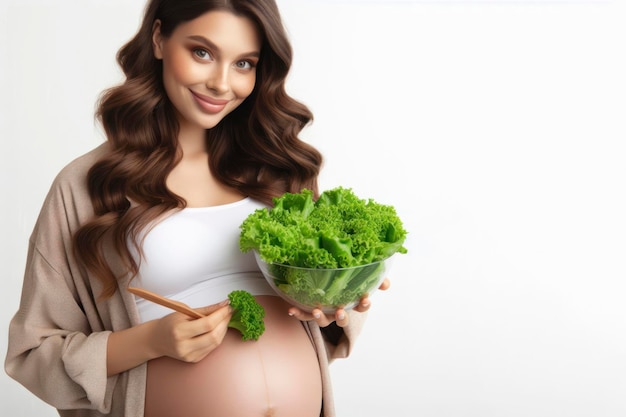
190, 340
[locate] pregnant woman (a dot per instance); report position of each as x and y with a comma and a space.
199, 135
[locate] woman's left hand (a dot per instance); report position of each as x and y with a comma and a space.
340, 317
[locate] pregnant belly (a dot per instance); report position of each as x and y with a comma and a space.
276, 376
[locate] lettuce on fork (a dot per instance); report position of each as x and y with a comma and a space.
338, 230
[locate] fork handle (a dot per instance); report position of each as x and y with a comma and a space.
166, 302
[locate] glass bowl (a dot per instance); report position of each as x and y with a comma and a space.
325, 289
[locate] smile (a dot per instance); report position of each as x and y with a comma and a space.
208, 104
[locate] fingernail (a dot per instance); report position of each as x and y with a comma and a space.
341, 316
290, 314
317, 315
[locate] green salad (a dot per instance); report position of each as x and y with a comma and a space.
337, 231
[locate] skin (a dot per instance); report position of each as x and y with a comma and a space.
208, 71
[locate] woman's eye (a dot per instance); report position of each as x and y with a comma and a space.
244, 65
202, 53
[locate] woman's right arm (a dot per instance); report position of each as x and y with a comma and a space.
174, 335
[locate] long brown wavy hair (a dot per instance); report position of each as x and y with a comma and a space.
255, 149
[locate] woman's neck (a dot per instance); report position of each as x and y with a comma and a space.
192, 141
192, 178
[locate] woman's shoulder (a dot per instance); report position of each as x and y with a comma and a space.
69, 189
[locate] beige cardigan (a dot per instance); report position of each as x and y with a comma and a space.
58, 337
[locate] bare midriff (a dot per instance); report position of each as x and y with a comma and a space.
275, 376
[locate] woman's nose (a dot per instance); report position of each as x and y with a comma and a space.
217, 79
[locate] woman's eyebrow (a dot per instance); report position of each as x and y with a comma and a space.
214, 47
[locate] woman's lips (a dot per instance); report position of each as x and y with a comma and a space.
209, 104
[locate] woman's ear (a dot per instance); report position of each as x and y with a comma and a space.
157, 40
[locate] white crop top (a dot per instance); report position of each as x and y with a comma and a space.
193, 256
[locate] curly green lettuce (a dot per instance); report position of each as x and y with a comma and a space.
248, 315
338, 230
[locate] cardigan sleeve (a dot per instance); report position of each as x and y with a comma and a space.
52, 349
333, 342
57, 345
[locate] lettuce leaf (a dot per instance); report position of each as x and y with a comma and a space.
339, 230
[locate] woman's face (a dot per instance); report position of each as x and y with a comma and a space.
209, 66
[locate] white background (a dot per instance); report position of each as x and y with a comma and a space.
497, 130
